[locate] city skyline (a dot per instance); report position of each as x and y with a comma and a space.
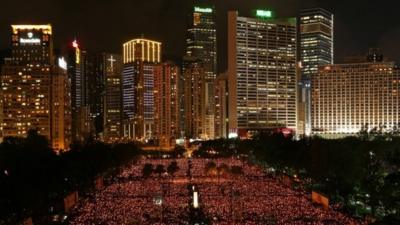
161, 13
262, 68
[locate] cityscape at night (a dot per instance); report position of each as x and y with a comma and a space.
199, 112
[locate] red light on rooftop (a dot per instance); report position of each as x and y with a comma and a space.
75, 44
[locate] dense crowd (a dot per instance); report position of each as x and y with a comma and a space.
225, 198
135, 202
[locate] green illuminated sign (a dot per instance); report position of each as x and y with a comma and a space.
203, 10
264, 13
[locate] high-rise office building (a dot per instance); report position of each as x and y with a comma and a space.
166, 113
316, 40
182, 99
75, 75
35, 90
86, 72
221, 106
81, 122
4, 55
348, 97
261, 73
201, 43
94, 90
195, 98
112, 110
140, 58
202, 39
61, 108
303, 104
316, 49
145, 114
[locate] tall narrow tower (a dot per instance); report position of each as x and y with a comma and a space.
112, 68
316, 49
201, 44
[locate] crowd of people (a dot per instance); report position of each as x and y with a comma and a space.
247, 198
135, 202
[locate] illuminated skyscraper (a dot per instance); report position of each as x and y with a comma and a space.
166, 113
86, 72
140, 58
201, 43
221, 106
61, 109
81, 125
194, 93
316, 40
113, 97
261, 72
316, 49
94, 89
346, 97
35, 91
182, 99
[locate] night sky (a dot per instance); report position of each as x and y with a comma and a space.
103, 25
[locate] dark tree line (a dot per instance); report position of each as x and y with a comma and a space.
33, 177
159, 169
211, 168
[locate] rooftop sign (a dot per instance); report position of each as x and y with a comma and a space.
203, 10
264, 13
30, 39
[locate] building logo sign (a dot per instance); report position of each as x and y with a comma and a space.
264, 13
203, 10
30, 39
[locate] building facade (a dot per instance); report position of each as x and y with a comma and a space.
94, 90
87, 75
35, 90
81, 120
316, 40
195, 98
261, 73
140, 60
129, 74
348, 97
316, 49
201, 43
112, 110
166, 113
221, 106
61, 109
